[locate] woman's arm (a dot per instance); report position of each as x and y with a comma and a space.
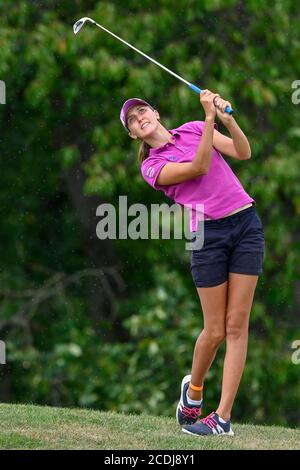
202, 159
236, 147
173, 173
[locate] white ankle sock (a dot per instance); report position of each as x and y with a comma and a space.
222, 420
193, 402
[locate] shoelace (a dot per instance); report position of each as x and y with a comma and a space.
191, 412
210, 421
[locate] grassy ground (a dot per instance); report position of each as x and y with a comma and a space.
38, 427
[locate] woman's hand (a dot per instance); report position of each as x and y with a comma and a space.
207, 100
221, 105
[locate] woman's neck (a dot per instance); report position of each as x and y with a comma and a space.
160, 137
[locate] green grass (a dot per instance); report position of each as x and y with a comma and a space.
41, 427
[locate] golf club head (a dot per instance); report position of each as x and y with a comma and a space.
78, 25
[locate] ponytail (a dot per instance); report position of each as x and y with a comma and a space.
143, 152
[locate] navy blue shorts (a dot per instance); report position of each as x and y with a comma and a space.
232, 244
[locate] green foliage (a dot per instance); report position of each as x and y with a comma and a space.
64, 93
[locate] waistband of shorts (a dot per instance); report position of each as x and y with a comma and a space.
231, 218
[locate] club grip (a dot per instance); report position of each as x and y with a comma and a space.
228, 109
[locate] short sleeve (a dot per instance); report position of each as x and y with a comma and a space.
151, 168
198, 126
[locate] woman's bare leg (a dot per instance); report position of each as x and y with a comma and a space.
213, 302
241, 289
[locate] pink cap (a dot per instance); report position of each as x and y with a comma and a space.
127, 105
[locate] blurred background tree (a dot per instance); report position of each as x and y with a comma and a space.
111, 324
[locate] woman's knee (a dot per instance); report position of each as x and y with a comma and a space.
214, 336
237, 325
236, 331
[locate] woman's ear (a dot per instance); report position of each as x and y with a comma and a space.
133, 136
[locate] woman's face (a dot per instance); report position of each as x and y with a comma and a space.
141, 121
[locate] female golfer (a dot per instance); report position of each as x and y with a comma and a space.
186, 164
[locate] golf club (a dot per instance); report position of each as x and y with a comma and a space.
79, 24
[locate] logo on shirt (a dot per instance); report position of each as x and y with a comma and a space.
150, 171
171, 157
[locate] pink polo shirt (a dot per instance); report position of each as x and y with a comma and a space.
219, 190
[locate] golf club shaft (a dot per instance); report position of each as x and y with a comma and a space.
193, 87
